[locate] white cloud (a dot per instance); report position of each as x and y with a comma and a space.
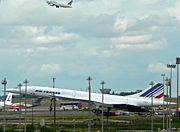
50, 68
156, 45
40, 70
175, 11
47, 39
102, 53
64, 37
123, 24
29, 50
43, 49
53, 49
118, 49
148, 1
157, 67
131, 39
31, 30
120, 25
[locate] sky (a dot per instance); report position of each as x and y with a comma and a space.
125, 43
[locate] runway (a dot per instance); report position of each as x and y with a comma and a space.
39, 111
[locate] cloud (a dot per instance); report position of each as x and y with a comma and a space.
122, 24
50, 68
157, 67
132, 39
118, 49
41, 70
64, 37
43, 49
156, 45
175, 11
103, 53
148, 1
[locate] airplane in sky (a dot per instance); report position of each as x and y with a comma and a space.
54, 3
134, 103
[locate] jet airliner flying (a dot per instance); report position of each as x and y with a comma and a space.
135, 103
54, 3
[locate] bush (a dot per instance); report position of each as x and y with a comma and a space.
30, 128
46, 129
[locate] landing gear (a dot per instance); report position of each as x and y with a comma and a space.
105, 113
108, 113
97, 111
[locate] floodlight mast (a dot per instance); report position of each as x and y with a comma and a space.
89, 103
102, 90
177, 62
25, 82
163, 75
20, 85
171, 66
152, 116
4, 82
168, 83
54, 106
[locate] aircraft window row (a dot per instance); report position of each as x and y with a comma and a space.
47, 92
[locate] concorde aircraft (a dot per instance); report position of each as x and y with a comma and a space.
134, 103
54, 3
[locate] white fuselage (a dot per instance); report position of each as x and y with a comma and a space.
81, 95
2, 104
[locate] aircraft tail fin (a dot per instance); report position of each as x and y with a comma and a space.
8, 100
70, 3
157, 91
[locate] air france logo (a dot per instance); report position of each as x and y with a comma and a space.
49, 92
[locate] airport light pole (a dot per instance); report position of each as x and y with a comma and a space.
152, 124
25, 82
89, 103
167, 84
171, 67
163, 75
177, 62
20, 85
32, 114
4, 82
170, 91
54, 106
102, 90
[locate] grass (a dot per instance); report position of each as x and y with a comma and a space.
129, 123
116, 123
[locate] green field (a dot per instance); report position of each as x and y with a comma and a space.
79, 122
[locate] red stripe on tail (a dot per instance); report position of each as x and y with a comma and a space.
159, 96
